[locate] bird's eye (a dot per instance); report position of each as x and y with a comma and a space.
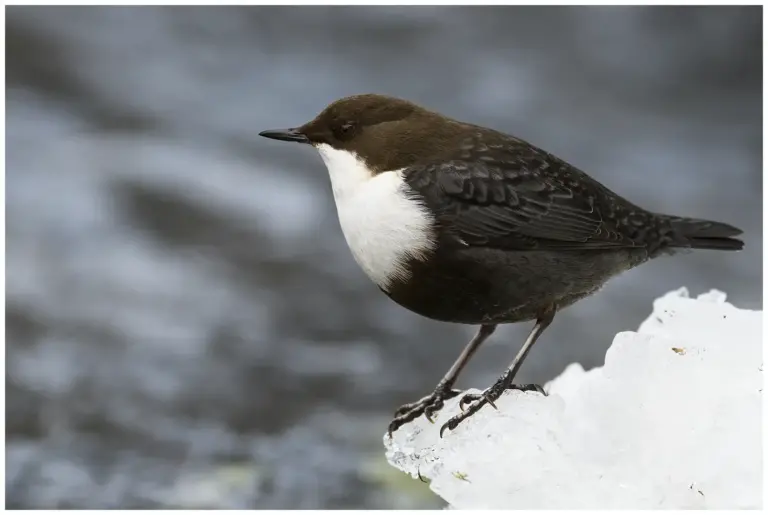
345, 131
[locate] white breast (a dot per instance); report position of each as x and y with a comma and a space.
382, 225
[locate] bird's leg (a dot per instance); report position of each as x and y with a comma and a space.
489, 396
432, 403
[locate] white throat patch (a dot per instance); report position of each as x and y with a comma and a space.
382, 226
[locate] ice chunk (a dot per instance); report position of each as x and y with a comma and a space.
672, 420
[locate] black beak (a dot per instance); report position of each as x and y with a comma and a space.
285, 135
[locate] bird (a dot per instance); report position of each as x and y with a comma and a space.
466, 224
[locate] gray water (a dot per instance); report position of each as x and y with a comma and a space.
185, 325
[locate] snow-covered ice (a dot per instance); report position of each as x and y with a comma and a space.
672, 420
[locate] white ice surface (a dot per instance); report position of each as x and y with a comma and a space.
672, 420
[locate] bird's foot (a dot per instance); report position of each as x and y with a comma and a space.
475, 401
428, 405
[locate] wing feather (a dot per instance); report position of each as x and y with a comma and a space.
509, 203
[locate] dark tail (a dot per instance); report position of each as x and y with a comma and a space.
703, 234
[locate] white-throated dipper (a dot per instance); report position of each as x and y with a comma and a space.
461, 223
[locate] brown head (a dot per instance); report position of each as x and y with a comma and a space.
387, 133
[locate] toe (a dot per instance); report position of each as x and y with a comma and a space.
433, 408
402, 410
468, 399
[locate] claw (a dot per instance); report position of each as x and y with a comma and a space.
430, 410
428, 406
445, 426
456, 420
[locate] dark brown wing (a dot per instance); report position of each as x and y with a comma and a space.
513, 196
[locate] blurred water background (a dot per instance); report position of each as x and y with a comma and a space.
185, 325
